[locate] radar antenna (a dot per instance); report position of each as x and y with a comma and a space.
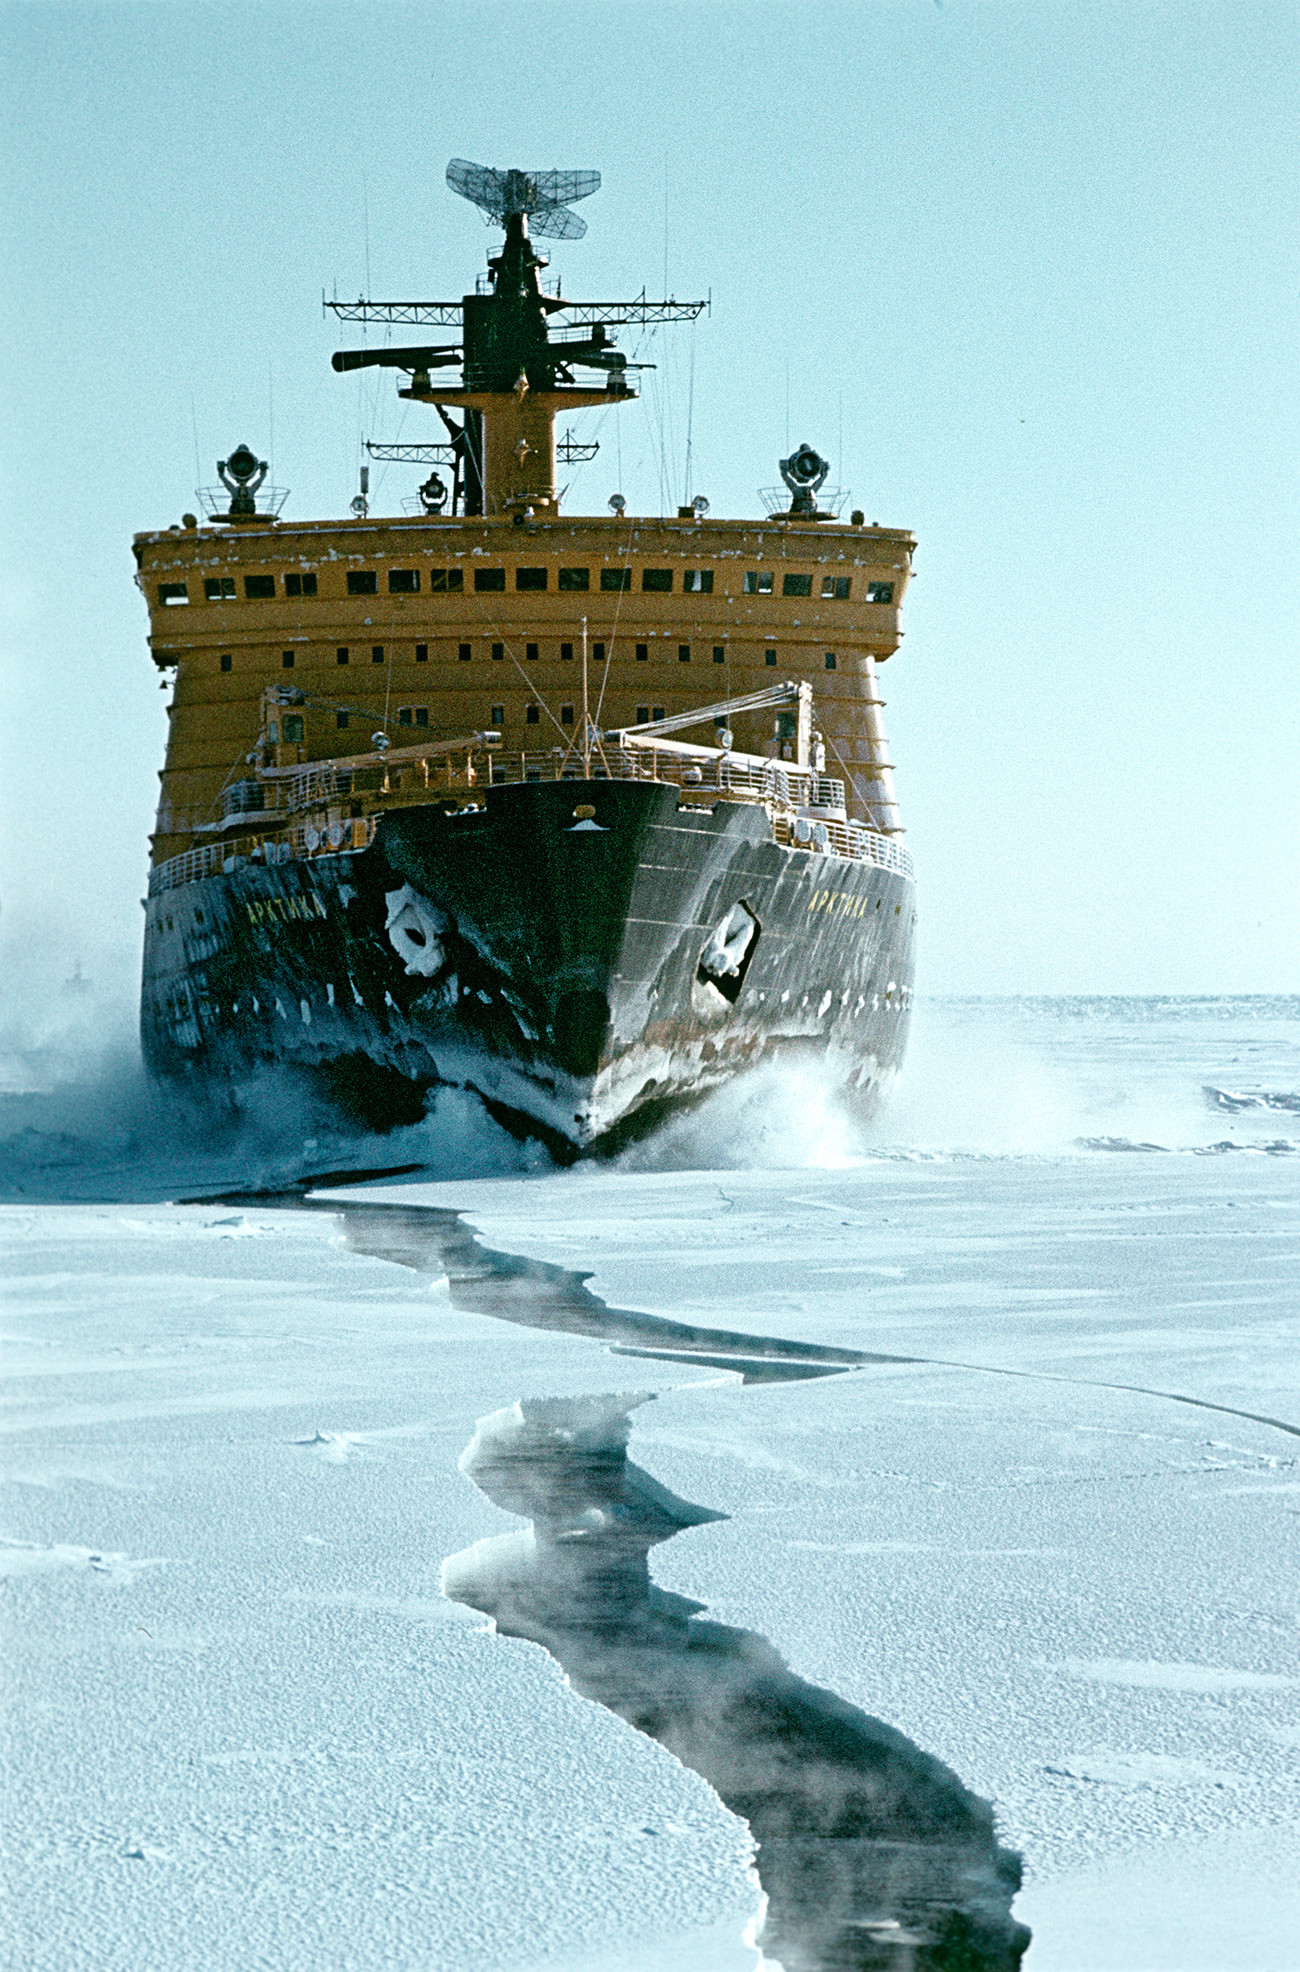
543, 196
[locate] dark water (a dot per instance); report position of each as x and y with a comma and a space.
871, 1852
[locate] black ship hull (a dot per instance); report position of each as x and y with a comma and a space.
585, 956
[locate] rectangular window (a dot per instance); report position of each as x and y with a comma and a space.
226, 661
796, 585
616, 578
566, 715
464, 652
769, 658
446, 581
698, 581
880, 592
286, 660
404, 715
683, 653
341, 654
300, 585
643, 653
719, 653
422, 653
421, 715
172, 593
498, 652
292, 727
643, 715
217, 589
530, 578
830, 660
657, 581
757, 583
362, 582
341, 721
376, 653
530, 652
532, 715
598, 653
259, 588
836, 588
566, 653
403, 581
486, 579
575, 578
498, 716
657, 712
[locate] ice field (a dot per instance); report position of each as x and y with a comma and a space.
1029, 1539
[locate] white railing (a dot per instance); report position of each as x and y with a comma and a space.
413, 771
850, 840
189, 867
303, 840
297, 824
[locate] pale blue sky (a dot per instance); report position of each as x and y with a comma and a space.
1037, 262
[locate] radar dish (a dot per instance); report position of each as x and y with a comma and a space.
545, 196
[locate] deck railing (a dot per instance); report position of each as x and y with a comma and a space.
409, 771
188, 867
303, 818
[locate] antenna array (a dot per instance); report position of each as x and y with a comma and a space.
544, 196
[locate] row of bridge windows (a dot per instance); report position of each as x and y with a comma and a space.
378, 654
417, 716
451, 581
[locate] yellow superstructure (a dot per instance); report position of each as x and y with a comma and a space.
437, 627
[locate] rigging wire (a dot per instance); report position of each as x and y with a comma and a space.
613, 635
655, 403
504, 641
849, 775
670, 435
198, 463
388, 680
690, 419
646, 336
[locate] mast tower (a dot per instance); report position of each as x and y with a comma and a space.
519, 345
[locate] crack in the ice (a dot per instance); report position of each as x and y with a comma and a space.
873, 1855
541, 1294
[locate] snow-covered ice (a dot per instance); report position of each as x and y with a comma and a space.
1053, 1542
1081, 1596
243, 1725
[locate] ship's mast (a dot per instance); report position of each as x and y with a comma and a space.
517, 369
